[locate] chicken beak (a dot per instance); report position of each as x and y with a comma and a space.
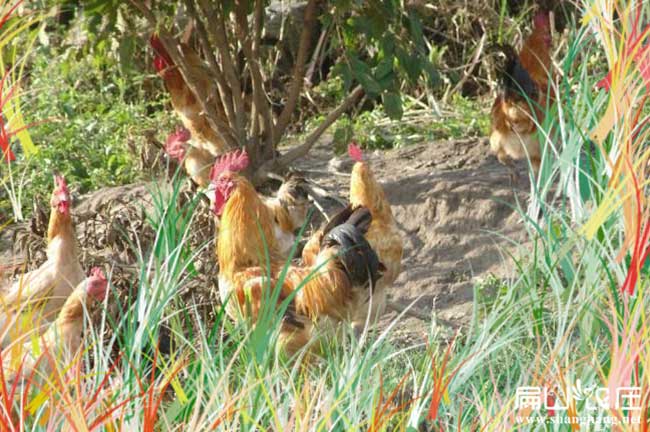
210, 192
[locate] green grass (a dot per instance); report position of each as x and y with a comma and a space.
89, 119
461, 118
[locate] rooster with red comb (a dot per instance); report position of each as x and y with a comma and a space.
345, 266
183, 100
383, 236
288, 208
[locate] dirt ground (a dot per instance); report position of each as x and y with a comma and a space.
452, 201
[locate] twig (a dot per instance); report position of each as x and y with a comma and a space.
262, 107
302, 149
217, 30
224, 90
297, 81
468, 70
315, 57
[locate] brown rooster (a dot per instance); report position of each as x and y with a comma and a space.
522, 97
344, 267
383, 235
183, 99
63, 337
287, 210
43, 291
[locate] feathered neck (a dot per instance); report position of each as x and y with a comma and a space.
60, 229
365, 191
73, 309
245, 230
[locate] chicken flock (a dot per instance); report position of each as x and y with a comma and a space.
346, 268
343, 274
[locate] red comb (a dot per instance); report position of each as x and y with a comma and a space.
234, 161
97, 272
174, 145
540, 20
162, 59
354, 151
181, 134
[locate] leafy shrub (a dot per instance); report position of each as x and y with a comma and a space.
86, 111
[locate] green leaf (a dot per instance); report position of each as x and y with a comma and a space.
384, 68
393, 105
342, 69
126, 50
363, 74
432, 73
410, 63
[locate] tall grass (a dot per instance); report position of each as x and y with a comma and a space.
571, 321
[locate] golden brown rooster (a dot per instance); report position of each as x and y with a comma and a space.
522, 97
287, 210
344, 267
63, 337
44, 290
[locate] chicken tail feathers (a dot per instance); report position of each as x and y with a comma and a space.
359, 260
515, 79
357, 216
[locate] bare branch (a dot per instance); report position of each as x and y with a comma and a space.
259, 96
217, 30
258, 21
312, 138
316, 58
468, 70
297, 80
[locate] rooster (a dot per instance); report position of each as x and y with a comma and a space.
287, 210
183, 99
344, 267
196, 161
45, 289
63, 337
383, 235
522, 97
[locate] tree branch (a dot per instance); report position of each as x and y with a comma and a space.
222, 85
297, 80
258, 21
218, 32
259, 96
301, 150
